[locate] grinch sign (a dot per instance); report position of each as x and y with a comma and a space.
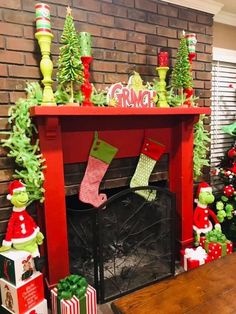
134, 95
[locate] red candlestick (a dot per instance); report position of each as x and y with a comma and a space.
163, 59
86, 87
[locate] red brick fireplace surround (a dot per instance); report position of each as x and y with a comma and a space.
66, 134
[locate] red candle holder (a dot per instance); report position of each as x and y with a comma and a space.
86, 87
163, 59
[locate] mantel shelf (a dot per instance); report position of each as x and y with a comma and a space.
111, 111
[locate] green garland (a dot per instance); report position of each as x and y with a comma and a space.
26, 154
201, 140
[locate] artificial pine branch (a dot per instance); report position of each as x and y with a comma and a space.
201, 141
26, 154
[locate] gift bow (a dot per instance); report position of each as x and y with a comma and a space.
73, 285
198, 254
216, 236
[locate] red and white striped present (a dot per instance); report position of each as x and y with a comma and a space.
83, 305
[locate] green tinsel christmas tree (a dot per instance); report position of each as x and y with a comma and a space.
70, 69
181, 76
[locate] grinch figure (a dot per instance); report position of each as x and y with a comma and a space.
202, 213
22, 231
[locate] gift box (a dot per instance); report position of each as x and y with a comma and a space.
202, 241
217, 249
192, 258
24, 297
74, 296
16, 266
41, 308
216, 244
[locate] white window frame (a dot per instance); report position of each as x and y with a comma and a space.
228, 56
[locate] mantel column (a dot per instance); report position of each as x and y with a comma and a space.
55, 205
181, 178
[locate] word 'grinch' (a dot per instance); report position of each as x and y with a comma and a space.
133, 95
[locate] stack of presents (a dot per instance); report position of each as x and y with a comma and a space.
22, 288
21, 282
210, 242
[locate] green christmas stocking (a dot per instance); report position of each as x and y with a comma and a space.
150, 153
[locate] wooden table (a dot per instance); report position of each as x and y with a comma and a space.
207, 289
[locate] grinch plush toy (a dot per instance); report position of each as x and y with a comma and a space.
22, 231
202, 213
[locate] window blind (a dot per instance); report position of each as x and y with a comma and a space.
223, 112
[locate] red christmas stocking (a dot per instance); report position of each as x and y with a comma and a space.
100, 156
150, 153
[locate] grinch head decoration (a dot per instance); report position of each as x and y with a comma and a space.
22, 231
17, 194
204, 194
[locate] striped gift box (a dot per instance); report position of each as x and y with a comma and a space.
84, 305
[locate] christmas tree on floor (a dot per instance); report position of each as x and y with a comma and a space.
226, 198
181, 76
70, 69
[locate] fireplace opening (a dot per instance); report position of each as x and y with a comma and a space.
126, 243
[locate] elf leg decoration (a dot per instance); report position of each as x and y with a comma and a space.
100, 156
150, 153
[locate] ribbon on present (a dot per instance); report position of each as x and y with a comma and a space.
73, 285
198, 254
216, 235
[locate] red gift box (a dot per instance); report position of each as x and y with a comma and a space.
216, 249
202, 241
25, 296
192, 258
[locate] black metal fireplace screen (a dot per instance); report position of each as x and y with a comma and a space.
126, 243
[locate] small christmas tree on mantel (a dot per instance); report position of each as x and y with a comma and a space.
181, 76
70, 68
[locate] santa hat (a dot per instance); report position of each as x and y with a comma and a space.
203, 187
15, 185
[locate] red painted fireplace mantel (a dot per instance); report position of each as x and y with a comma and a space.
66, 134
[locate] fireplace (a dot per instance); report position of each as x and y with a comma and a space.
126, 243
66, 134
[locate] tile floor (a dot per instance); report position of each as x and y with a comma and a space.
105, 308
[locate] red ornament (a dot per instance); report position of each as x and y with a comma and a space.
233, 168
232, 152
228, 190
163, 59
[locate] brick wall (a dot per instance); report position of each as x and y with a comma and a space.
127, 35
